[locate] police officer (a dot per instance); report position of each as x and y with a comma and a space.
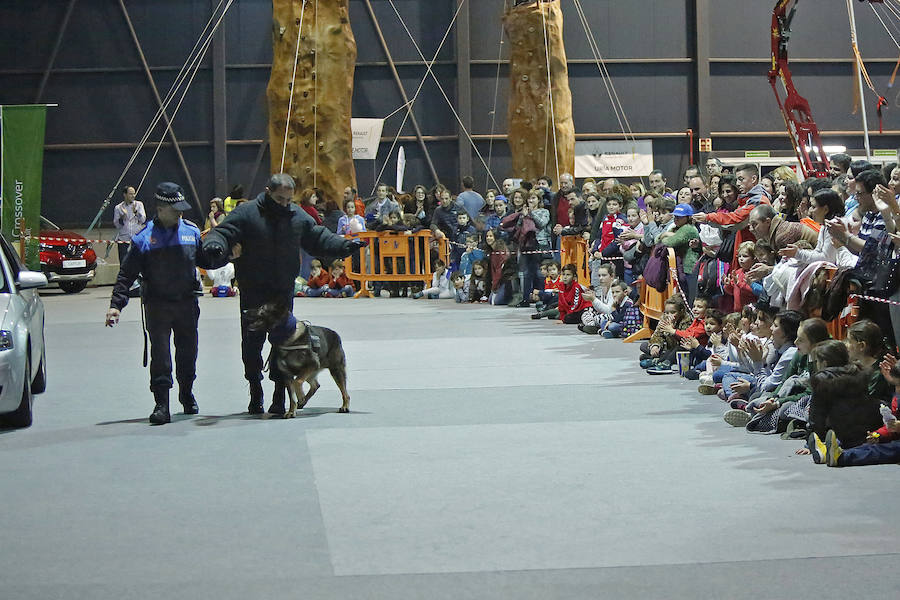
270, 231
165, 254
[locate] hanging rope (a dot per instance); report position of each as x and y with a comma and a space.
441, 88
618, 107
496, 92
409, 105
189, 66
316, 102
287, 120
551, 117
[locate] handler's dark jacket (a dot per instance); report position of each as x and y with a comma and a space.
166, 260
271, 236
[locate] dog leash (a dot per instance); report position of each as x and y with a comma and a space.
144, 329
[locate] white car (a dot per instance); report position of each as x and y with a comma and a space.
23, 361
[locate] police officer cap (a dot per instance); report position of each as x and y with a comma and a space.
172, 194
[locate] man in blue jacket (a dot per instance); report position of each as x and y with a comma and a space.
165, 253
271, 230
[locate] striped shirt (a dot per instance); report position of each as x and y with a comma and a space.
872, 226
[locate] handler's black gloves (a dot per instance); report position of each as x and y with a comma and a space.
353, 246
214, 250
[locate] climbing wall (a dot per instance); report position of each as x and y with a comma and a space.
319, 149
532, 122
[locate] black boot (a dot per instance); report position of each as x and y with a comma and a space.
160, 415
277, 406
186, 397
256, 398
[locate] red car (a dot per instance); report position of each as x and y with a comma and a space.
69, 261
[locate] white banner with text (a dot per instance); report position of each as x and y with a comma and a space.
614, 158
366, 137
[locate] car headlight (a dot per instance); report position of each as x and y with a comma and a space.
6, 340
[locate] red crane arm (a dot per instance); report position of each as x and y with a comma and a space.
795, 108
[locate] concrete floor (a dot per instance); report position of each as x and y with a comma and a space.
487, 456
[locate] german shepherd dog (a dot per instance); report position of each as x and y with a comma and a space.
300, 351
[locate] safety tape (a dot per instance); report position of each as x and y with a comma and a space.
78, 240
674, 275
873, 299
605, 258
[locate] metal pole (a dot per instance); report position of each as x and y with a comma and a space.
859, 68
59, 36
704, 88
220, 115
393, 67
464, 89
140, 51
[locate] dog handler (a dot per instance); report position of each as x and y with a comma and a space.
165, 253
271, 230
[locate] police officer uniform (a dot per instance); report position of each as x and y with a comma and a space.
166, 259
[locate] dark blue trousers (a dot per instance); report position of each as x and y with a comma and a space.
887, 453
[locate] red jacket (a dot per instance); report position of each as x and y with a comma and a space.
571, 299
696, 330
741, 214
341, 282
740, 291
321, 280
607, 235
552, 284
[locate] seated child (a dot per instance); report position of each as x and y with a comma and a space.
572, 302
841, 412
696, 328
601, 300
319, 279
546, 300
883, 445
458, 286
440, 284
471, 253
789, 402
768, 372
480, 281
340, 285
662, 345
713, 322
625, 317
743, 346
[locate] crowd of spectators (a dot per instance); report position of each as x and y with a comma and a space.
764, 262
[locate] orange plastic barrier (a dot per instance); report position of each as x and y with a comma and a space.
574, 249
653, 303
393, 256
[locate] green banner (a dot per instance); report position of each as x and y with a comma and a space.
21, 170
